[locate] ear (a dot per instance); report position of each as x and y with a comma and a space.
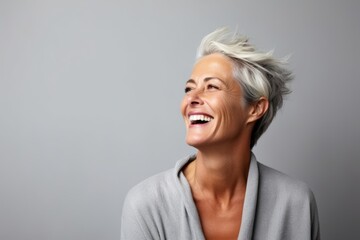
257, 109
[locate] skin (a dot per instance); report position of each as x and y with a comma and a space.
218, 175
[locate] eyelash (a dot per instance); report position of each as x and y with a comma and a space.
210, 86
187, 89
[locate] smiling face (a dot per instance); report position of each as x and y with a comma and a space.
212, 107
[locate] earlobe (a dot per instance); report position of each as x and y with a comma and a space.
258, 109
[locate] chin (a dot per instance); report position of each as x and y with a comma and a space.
194, 142
197, 142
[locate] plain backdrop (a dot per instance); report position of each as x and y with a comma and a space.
90, 94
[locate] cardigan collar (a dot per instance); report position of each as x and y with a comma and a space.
250, 202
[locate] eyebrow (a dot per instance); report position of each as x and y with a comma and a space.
206, 80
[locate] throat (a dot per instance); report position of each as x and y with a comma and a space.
227, 222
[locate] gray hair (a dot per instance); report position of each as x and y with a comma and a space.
259, 73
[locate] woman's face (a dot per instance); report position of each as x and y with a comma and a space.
212, 106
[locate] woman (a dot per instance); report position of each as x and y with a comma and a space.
222, 192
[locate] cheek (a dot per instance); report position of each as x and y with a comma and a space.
230, 110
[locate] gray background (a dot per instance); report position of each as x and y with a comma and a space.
90, 94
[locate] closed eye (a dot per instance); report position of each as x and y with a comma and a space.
211, 86
187, 89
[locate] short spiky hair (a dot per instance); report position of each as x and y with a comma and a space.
259, 74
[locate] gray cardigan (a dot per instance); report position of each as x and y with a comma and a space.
276, 207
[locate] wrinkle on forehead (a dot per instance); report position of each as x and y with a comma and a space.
214, 65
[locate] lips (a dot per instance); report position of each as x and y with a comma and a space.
199, 118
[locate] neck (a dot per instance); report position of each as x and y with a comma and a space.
222, 172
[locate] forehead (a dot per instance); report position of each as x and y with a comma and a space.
213, 65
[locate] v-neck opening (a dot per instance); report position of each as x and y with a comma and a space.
249, 206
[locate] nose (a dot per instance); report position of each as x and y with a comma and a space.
194, 98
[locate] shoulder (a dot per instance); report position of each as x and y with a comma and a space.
158, 190
151, 190
146, 204
286, 203
142, 206
274, 182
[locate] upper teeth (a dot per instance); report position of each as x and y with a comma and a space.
199, 117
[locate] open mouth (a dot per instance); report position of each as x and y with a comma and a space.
199, 119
